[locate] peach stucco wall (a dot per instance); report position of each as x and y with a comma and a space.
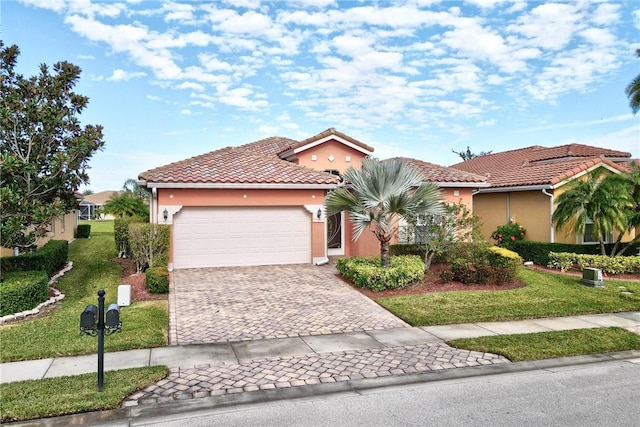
229, 197
334, 149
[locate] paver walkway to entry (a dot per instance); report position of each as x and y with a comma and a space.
210, 305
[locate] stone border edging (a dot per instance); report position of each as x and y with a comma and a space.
57, 296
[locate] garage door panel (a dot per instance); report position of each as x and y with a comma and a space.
211, 237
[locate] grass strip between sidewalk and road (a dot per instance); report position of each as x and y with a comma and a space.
545, 295
545, 345
52, 397
144, 323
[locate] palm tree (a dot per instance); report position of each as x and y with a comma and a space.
631, 182
599, 200
126, 205
633, 91
132, 186
380, 193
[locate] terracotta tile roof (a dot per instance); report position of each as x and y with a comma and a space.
437, 173
538, 165
329, 132
271, 146
253, 163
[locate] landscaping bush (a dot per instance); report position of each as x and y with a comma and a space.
51, 257
83, 231
538, 252
367, 272
149, 244
610, 265
157, 280
481, 264
121, 234
24, 290
506, 235
407, 249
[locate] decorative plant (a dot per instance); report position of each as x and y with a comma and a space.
506, 234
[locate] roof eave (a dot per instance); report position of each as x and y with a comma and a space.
462, 184
248, 186
516, 188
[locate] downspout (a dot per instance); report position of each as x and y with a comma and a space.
154, 205
551, 202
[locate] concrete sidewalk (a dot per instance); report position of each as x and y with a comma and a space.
287, 362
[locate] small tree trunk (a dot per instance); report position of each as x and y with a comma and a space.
428, 257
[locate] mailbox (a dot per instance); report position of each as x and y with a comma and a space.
88, 317
113, 317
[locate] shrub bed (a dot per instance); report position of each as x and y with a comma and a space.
609, 265
157, 280
50, 258
24, 290
367, 272
538, 252
482, 264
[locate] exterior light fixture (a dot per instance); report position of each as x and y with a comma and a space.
165, 215
319, 213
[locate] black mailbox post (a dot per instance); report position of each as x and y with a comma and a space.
92, 323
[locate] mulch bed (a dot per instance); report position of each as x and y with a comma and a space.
139, 290
433, 283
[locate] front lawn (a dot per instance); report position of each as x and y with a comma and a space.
144, 324
102, 226
52, 397
545, 295
545, 345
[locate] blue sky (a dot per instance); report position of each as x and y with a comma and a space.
169, 80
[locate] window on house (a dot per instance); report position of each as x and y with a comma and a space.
589, 237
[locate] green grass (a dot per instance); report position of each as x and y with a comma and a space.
99, 227
545, 295
144, 324
546, 345
52, 397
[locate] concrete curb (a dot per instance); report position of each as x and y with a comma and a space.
122, 416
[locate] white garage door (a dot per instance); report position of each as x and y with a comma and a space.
232, 236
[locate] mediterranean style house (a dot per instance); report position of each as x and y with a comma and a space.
261, 203
525, 183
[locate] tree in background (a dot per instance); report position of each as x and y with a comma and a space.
125, 205
88, 192
45, 151
132, 186
380, 193
468, 155
633, 91
602, 201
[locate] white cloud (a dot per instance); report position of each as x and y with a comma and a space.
185, 111
122, 75
190, 85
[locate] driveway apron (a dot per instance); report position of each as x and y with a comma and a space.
210, 305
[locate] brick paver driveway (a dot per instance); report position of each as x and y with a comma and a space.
245, 303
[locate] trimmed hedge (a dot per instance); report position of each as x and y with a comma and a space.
407, 249
121, 234
50, 258
157, 280
83, 231
367, 272
23, 290
538, 252
610, 265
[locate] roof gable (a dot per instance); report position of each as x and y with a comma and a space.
322, 137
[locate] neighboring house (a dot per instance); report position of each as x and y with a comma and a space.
94, 203
61, 229
524, 185
262, 203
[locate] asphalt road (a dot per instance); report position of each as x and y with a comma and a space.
602, 394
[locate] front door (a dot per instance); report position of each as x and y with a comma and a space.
335, 240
